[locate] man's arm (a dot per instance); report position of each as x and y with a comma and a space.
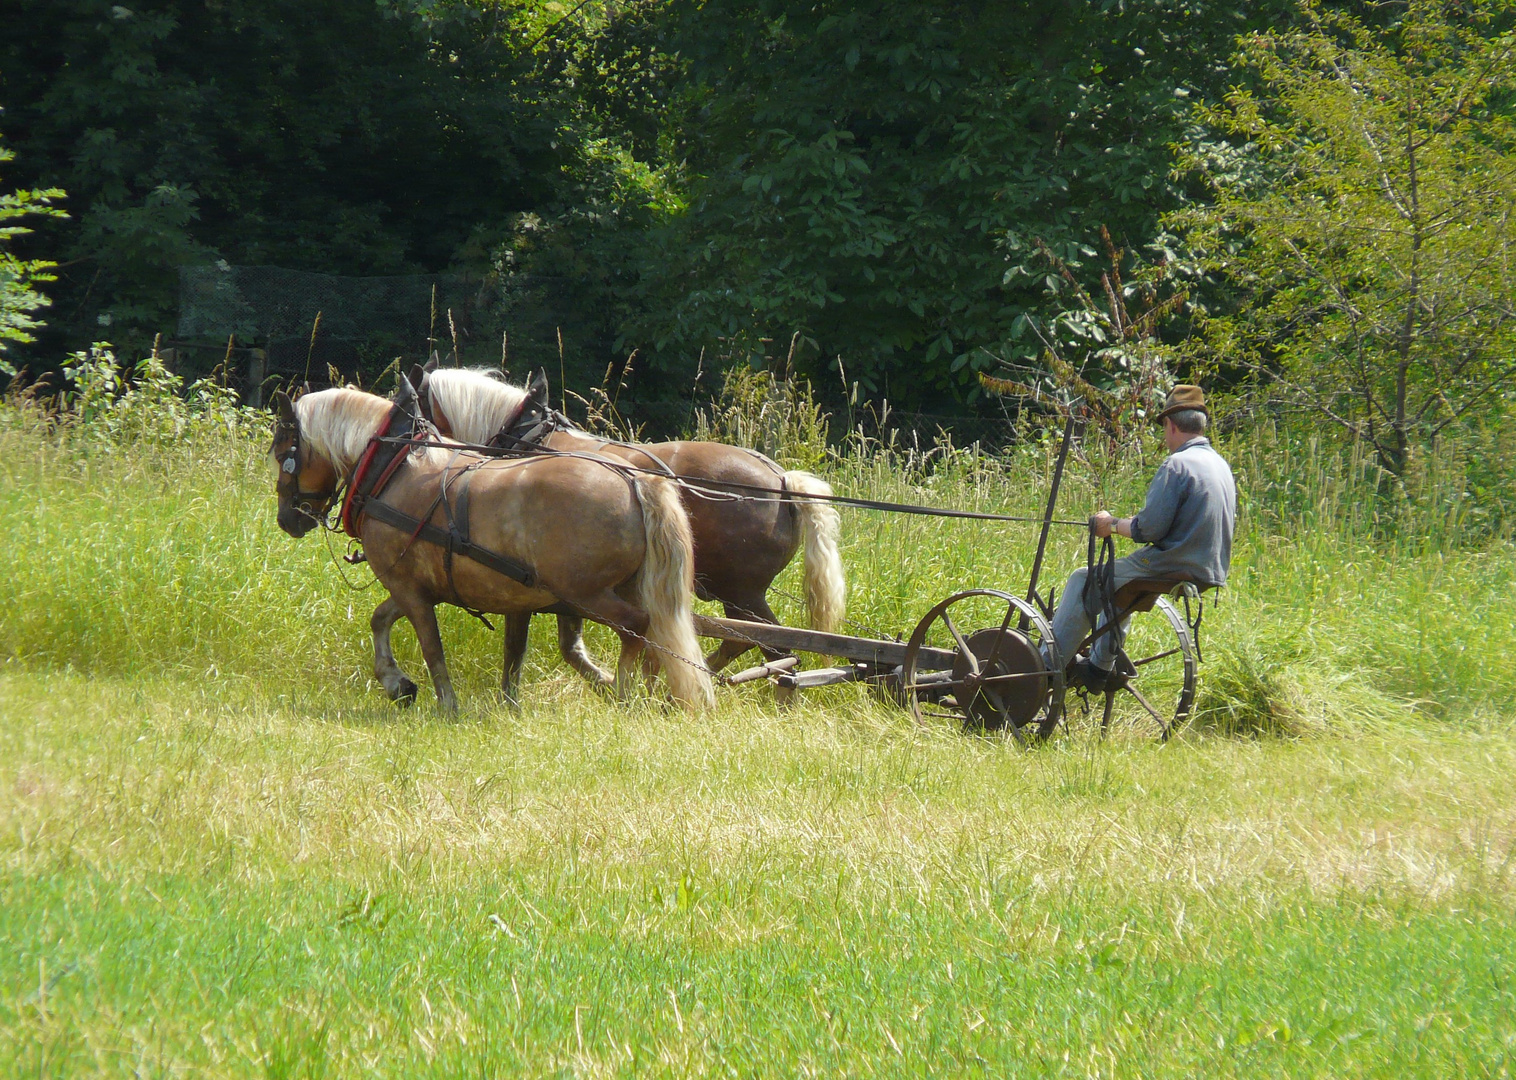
1168, 489
1155, 518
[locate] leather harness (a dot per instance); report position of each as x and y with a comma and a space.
528, 427
380, 461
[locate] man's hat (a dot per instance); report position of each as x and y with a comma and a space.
1184, 396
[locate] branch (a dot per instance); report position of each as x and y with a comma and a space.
1321, 275
1368, 136
1493, 385
1313, 402
1465, 98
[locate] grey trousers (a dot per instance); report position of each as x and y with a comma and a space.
1071, 623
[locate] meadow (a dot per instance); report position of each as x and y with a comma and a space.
224, 853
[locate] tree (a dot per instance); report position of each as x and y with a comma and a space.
351, 136
19, 278
858, 171
1100, 354
1365, 209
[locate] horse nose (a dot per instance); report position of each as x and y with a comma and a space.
292, 521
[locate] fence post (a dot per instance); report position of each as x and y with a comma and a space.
257, 371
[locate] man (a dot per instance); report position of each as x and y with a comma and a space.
1185, 526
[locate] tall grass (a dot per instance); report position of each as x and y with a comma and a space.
158, 555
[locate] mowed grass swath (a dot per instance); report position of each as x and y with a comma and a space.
224, 853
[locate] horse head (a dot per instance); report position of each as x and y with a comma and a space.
406, 398
534, 409
306, 482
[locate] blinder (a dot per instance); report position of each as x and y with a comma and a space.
534, 420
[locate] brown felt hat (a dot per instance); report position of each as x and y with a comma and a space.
1184, 396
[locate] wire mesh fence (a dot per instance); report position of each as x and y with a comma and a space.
672, 419
268, 327
295, 325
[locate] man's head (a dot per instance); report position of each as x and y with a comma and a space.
1180, 427
1184, 415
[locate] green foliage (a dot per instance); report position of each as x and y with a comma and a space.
778, 418
1106, 354
112, 405
19, 278
351, 137
1365, 209
869, 173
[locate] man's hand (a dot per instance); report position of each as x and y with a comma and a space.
1107, 523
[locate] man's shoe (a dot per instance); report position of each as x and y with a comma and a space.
1083, 672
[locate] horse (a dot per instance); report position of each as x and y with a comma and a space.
572, 534
741, 544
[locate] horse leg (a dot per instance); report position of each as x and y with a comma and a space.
750, 610
516, 629
386, 670
726, 652
629, 621
632, 650
423, 617
571, 645
729, 649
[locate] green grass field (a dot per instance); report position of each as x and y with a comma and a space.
223, 853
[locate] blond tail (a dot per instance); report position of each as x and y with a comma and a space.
665, 588
825, 587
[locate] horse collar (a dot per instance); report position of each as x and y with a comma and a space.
380, 460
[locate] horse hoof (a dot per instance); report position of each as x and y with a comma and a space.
405, 693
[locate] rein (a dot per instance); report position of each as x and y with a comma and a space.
732, 491
1100, 579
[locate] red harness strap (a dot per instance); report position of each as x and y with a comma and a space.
356, 497
349, 521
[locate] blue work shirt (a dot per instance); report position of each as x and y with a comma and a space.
1187, 521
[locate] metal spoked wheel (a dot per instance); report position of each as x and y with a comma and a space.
1157, 684
977, 658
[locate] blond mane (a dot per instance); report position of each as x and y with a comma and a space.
476, 404
339, 423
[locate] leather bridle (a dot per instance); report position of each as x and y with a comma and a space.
301, 501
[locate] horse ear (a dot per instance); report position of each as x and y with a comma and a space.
417, 376
537, 390
431, 365
405, 397
285, 408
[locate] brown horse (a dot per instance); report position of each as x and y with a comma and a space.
564, 533
741, 545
